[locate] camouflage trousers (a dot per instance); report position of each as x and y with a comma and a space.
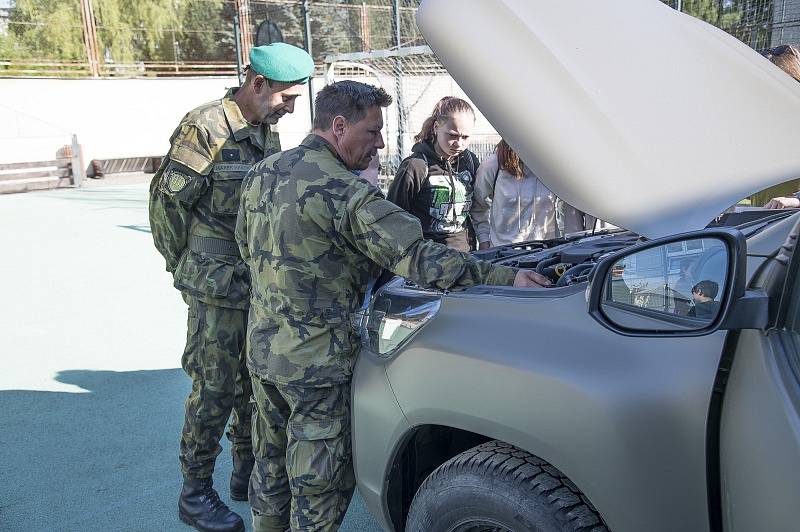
303, 477
214, 358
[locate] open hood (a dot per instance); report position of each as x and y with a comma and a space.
629, 110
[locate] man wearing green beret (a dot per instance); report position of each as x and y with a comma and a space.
194, 199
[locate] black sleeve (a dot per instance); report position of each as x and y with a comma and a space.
475, 164
472, 235
407, 182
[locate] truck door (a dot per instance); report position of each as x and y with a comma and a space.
760, 423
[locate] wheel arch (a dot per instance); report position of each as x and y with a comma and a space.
423, 449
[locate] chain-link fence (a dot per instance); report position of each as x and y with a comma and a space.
159, 38
759, 23
113, 38
417, 80
372, 40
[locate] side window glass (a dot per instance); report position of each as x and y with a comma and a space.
685, 278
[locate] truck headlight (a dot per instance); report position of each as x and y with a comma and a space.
395, 314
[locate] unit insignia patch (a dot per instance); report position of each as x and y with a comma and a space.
175, 180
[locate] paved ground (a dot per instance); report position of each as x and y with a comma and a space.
91, 392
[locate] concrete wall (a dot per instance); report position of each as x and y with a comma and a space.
112, 118
135, 117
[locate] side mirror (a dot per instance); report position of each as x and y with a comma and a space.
684, 285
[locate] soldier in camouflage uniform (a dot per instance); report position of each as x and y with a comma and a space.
314, 234
194, 199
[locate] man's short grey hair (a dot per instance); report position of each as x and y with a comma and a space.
349, 99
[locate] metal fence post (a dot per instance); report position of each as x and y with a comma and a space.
175, 51
307, 36
77, 162
365, 44
237, 37
401, 113
243, 10
90, 37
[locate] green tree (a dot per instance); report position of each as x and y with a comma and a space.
190, 30
708, 10
287, 17
130, 31
204, 34
754, 25
44, 29
137, 31
335, 30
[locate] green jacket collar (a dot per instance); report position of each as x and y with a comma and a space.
315, 142
240, 128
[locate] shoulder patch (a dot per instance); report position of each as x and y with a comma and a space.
175, 180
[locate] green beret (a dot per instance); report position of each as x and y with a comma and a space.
281, 62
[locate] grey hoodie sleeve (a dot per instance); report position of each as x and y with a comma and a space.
480, 211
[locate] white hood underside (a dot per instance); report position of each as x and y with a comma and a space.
629, 110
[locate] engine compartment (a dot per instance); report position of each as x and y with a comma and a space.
570, 260
565, 261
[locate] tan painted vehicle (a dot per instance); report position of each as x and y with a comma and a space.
656, 387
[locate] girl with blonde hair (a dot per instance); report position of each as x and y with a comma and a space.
436, 181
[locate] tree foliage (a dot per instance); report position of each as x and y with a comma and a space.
44, 29
129, 31
186, 30
721, 13
161, 30
206, 32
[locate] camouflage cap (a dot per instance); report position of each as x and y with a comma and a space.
282, 62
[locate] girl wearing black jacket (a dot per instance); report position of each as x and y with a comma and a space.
436, 181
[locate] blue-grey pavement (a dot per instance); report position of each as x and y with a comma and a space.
91, 390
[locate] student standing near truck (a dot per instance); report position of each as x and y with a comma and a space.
436, 181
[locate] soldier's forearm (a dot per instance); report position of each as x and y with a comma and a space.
434, 265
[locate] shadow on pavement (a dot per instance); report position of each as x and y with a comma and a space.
105, 459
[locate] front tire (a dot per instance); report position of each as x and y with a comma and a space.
499, 488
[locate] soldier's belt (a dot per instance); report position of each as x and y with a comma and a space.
219, 246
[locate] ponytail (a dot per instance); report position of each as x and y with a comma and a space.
444, 108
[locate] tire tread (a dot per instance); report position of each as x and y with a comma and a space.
566, 503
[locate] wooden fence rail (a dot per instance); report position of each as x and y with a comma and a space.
147, 69
22, 177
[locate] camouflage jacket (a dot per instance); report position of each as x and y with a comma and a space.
194, 199
313, 235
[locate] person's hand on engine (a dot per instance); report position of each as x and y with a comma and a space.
531, 279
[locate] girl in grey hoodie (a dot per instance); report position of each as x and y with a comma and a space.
511, 205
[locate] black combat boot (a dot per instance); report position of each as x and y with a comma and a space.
201, 507
240, 477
